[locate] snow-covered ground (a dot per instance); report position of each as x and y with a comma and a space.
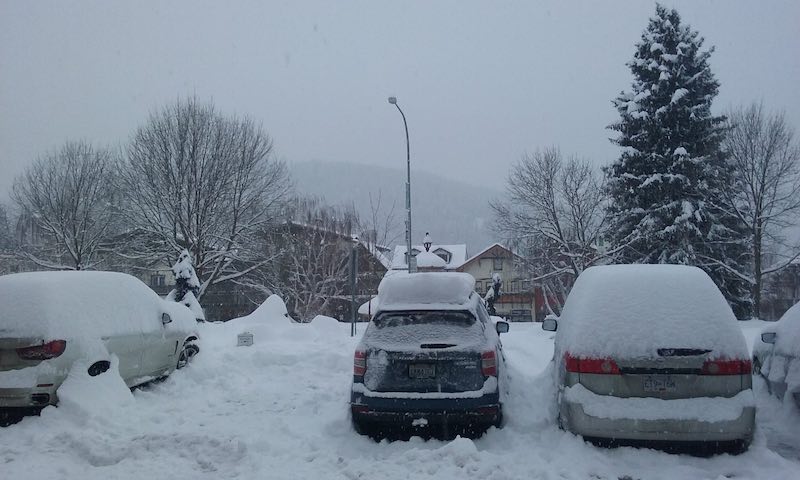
278, 410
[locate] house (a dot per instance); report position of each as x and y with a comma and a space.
518, 300
453, 255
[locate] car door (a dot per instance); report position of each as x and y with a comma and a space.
161, 346
128, 348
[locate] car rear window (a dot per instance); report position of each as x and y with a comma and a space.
401, 319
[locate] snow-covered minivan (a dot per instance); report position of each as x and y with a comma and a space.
430, 357
652, 354
54, 322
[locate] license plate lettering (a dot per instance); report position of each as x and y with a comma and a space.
421, 370
659, 384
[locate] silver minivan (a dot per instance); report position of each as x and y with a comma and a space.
652, 355
53, 322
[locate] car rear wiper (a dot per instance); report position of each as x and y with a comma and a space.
682, 352
437, 345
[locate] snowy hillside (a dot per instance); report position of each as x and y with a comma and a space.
279, 410
452, 211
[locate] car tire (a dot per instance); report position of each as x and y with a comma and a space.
187, 354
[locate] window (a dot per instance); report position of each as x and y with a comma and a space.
478, 286
497, 263
443, 254
526, 285
157, 280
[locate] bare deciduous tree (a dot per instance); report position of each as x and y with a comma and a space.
198, 180
554, 215
69, 195
6, 236
312, 251
766, 162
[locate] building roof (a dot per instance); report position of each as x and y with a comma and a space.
458, 253
492, 250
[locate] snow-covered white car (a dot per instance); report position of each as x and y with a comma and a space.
53, 322
653, 355
430, 356
776, 355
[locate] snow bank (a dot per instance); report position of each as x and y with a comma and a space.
84, 396
278, 410
707, 409
66, 305
633, 310
431, 289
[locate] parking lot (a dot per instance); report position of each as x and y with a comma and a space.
279, 409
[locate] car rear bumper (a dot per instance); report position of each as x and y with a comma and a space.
36, 397
484, 410
576, 420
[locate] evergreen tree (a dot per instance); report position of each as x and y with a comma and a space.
666, 187
187, 285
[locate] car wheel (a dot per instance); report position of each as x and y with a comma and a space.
98, 367
756, 366
187, 354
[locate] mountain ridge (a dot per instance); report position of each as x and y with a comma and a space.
451, 210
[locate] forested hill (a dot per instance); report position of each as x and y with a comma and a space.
452, 211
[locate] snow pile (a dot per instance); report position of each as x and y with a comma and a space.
84, 396
278, 410
272, 310
634, 310
76, 304
426, 289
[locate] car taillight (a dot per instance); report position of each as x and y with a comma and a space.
727, 367
603, 366
489, 364
44, 351
360, 363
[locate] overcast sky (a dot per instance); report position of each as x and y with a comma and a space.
480, 82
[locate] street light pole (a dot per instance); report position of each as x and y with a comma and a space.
410, 259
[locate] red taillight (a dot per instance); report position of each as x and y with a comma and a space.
603, 366
727, 367
489, 364
359, 363
44, 351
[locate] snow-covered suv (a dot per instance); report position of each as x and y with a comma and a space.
431, 356
652, 354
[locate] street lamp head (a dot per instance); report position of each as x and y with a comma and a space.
393, 100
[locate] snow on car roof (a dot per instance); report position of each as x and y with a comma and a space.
633, 310
432, 290
70, 304
787, 328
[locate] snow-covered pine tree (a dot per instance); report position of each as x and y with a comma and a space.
187, 285
666, 186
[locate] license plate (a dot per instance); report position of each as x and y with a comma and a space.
659, 383
421, 370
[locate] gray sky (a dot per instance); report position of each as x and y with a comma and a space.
480, 82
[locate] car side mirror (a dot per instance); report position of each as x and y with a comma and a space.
768, 337
165, 318
501, 327
550, 324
